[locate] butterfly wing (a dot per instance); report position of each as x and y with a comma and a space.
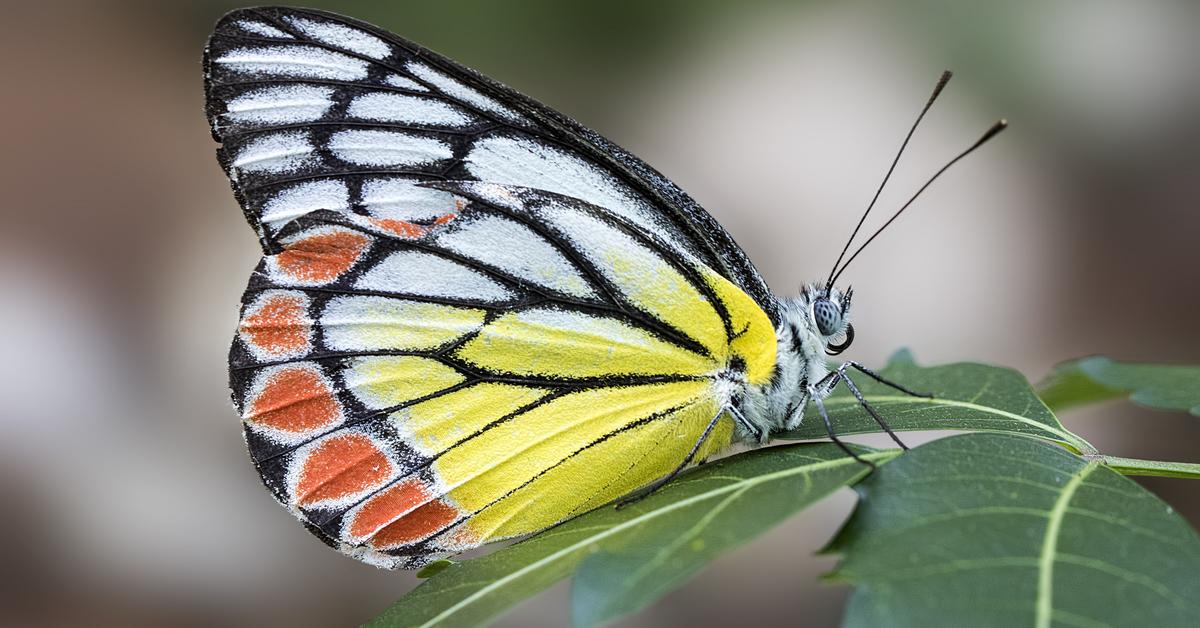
318, 111
474, 318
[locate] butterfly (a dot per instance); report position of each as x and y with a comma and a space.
474, 317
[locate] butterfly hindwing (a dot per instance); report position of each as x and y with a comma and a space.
410, 395
318, 111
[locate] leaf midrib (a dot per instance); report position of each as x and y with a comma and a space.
1045, 591
646, 517
1067, 437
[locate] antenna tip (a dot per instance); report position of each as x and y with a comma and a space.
999, 126
941, 84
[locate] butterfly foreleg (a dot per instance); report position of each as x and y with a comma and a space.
815, 394
687, 460
843, 376
881, 379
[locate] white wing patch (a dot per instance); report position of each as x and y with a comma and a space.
425, 274
524, 163
517, 250
364, 323
276, 153
286, 104
403, 82
265, 30
454, 89
342, 37
402, 199
408, 109
387, 148
305, 198
295, 61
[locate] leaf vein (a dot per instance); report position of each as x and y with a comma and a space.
1045, 592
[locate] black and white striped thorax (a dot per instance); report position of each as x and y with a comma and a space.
800, 361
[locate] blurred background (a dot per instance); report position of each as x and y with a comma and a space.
131, 500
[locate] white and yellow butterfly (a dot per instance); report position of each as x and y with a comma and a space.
476, 318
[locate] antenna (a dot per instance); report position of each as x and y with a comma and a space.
996, 128
937, 91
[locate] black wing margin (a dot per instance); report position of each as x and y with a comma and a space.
316, 111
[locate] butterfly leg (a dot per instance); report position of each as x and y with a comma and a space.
879, 378
659, 483
797, 413
757, 433
862, 401
813, 394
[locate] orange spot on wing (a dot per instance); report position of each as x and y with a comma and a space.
294, 399
417, 525
321, 257
340, 467
406, 229
389, 505
278, 325
402, 228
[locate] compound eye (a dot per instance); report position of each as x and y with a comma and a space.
827, 316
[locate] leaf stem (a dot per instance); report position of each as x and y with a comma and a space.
1159, 468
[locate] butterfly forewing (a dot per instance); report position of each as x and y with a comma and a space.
475, 318
319, 111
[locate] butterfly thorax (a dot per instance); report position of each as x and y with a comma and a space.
800, 361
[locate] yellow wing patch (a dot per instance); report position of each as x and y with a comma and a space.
435, 425
603, 472
510, 454
386, 381
754, 335
559, 343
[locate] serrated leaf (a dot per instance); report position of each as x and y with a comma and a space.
967, 396
1001, 530
714, 508
1095, 379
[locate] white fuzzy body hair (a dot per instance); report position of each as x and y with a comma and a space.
800, 362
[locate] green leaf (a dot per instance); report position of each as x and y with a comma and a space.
1095, 379
1001, 530
709, 510
634, 570
435, 568
967, 396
